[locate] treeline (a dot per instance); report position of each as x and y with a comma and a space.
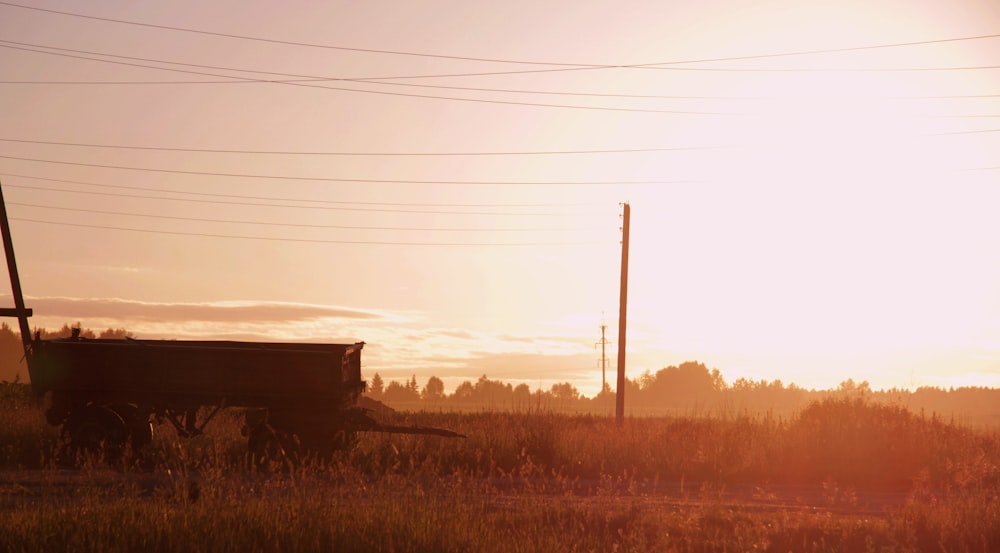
12, 366
690, 389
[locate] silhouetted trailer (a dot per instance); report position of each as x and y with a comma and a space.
107, 393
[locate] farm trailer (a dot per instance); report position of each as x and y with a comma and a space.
106, 393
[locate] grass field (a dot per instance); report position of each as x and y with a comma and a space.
842, 475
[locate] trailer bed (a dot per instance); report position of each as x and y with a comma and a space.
247, 374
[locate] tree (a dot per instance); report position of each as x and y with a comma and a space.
492, 392
115, 334
849, 388
400, 393
464, 393
522, 396
565, 392
434, 390
682, 385
377, 387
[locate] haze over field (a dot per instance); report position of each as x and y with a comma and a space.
813, 186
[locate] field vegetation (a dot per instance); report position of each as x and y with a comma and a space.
843, 474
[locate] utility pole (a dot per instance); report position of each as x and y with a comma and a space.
604, 358
20, 311
622, 307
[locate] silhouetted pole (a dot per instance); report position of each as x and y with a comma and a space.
622, 305
19, 310
604, 359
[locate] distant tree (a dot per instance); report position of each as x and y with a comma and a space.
115, 334
434, 390
718, 383
400, 393
376, 388
565, 392
849, 388
522, 396
646, 379
492, 393
65, 332
689, 383
464, 393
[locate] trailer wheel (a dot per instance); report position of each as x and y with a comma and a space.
344, 440
96, 431
267, 446
137, 424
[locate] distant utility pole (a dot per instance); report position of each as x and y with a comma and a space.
622, 307
604, 358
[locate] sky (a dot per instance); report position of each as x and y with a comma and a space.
812, 185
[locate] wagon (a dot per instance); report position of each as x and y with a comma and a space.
107, 394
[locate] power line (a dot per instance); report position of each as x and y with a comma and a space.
379, 80
834, 69
332, 179
965, 132
311, 80
272, 198
841, 50
295, 225
641, 96
306, 240
327, 208
362, 91
508, 61
507, 90
299, 77
328, 153
288, 42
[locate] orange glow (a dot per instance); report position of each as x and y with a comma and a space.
812, 184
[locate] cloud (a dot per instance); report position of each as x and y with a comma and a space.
212, 312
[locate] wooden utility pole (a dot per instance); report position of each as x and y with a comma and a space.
622, 305
19, 311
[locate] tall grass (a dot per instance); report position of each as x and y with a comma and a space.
525, 482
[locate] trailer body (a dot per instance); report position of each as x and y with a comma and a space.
107, 393
197, 373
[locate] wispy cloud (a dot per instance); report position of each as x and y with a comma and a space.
220, 312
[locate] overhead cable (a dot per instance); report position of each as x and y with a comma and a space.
279, 199
366, 91
312, 207
305, 240
294, 225
511, 61
360, 154
327, 179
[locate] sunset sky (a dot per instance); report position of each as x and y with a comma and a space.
813, 185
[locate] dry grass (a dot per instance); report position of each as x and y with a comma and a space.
539, 482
